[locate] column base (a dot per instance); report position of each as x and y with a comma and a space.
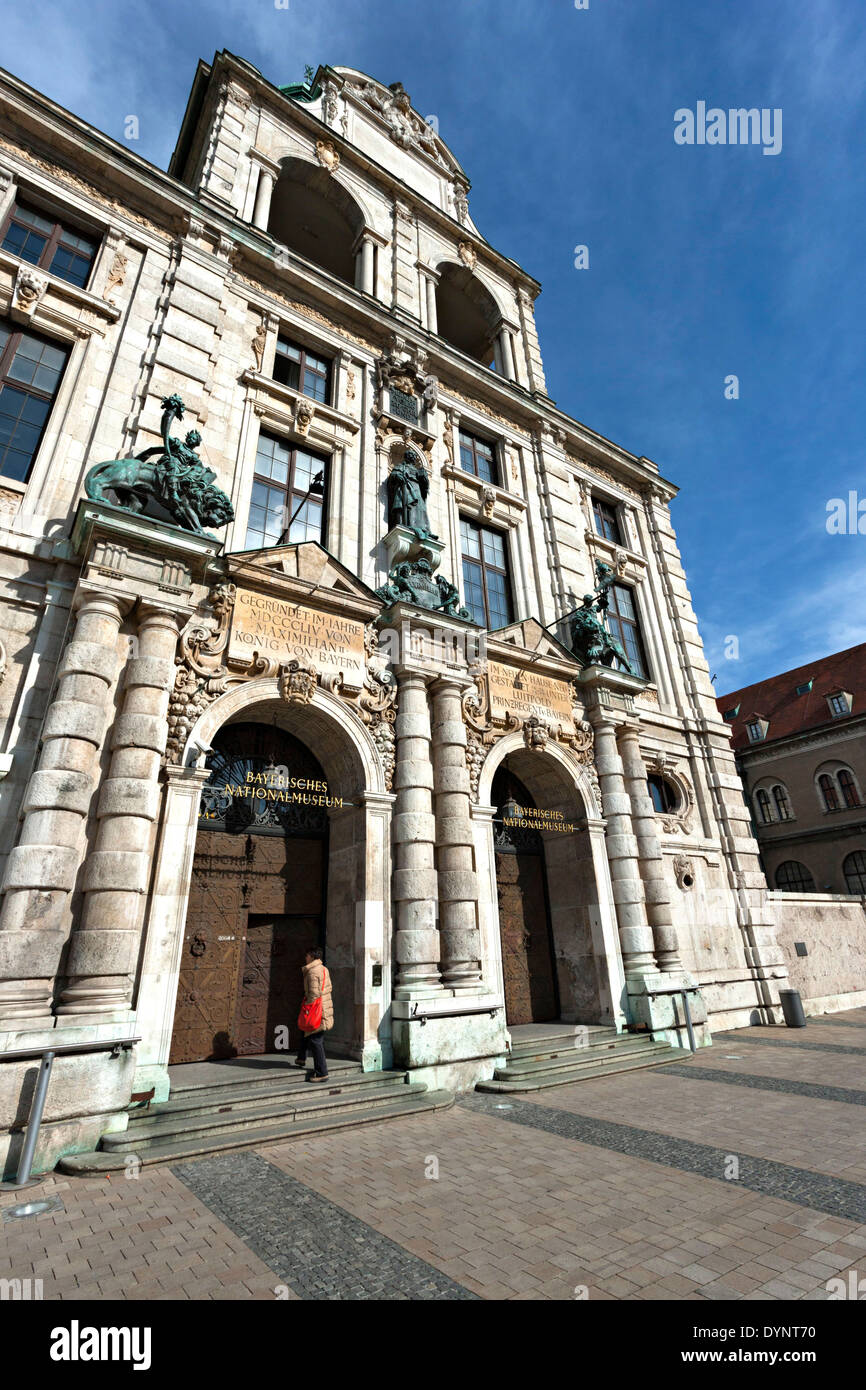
452, 1029
655, 1001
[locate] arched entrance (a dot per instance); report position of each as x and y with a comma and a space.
257, 895
528, 971
547, 893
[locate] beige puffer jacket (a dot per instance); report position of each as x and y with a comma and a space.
317, 982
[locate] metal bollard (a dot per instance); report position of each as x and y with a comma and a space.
688, 1013
792, 1008
25, 1163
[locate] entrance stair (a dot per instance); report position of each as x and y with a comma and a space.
558, 1054
215, 1107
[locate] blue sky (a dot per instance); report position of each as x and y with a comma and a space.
705, 261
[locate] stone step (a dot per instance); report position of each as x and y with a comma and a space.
609, 1066
176, 1149
578, 1058
564, 1043
556, 1036
237, 1095
202, 1076
315, 1100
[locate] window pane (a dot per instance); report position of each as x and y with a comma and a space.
71, 265
20, 241
21, 421
497, 591
315, 386
494, 548
474, 592
471, 540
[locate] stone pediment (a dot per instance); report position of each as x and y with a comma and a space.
305, 561
528, 635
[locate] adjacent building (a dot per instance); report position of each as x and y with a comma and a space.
800, 743
352, 713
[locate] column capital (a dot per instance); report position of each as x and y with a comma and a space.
93, 600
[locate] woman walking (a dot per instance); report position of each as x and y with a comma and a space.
317, 991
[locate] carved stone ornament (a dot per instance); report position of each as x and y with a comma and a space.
684, 872
116, 274
201, 675
488, 501
260, 338
535, 733
327, 155
297, 683
468, 255
3, 663
28, 291
405, 126
304, 417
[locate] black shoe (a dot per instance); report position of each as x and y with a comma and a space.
299, 1063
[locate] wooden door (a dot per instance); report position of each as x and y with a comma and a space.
203, 1020
527, 961
271, 988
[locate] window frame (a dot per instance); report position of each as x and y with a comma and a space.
485, 565
763, 806
841, 696
8, 352
599, 506
829, 789
859, 871
474, 440
849, 785
304, 352
291, 495
54, 241
790, 888
669, 793
635, 623
784, 800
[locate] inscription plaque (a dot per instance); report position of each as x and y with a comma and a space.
285, 631
527, 693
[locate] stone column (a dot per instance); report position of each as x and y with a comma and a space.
651, 864
432, 317
505, 353
42, 868
264, 193
458, 888
417, 948
367, 264
635, 934
105, 944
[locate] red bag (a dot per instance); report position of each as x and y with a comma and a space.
310, 1017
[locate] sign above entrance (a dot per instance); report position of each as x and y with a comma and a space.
527, 694
284, 631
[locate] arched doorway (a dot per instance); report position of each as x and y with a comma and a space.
257, 895
528, 970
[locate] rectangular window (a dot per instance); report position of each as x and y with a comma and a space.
485, 575
606, 521
755, 731
838, 705
478, 457
30, 372
51, 245
297, 367
279, 512
622, 622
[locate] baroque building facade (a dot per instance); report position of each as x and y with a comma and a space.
353, 714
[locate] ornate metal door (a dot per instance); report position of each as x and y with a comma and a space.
211, 951
256, 901
528, 971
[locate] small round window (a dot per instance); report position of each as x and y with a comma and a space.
662, 794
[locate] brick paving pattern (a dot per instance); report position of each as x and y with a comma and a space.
317, 1248
692, 1072
503, 1210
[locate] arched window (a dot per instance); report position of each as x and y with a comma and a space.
662, 794
848, 787
829, 792
783, 805
467, 315
854, 869
794, 877
762, 803
314, 216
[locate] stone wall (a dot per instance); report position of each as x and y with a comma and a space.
832, 976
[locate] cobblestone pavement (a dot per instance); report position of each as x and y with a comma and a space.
618, 1187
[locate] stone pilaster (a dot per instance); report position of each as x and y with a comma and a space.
455, 859
105, 945
635, 934
417, 948
651, 864
42, 868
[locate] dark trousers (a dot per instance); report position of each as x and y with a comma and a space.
316, 1043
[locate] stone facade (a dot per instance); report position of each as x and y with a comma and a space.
123, 636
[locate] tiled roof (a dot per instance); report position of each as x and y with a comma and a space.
775, 700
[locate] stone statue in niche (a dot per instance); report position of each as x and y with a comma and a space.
408, 486
590, 640
171, 473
